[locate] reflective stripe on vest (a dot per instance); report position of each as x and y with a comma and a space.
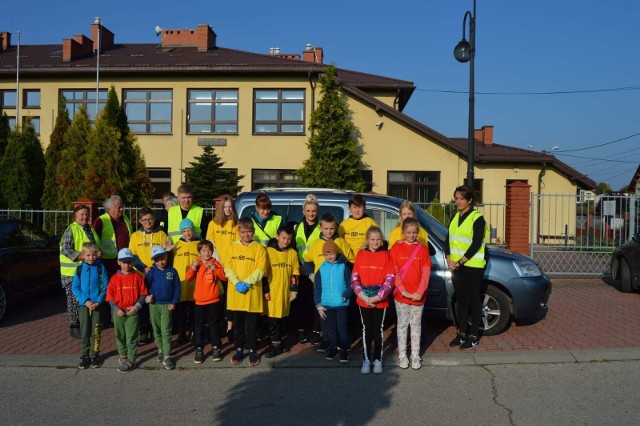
302, 243
108, 240
67, 266
174, 218
270, 229
460, 239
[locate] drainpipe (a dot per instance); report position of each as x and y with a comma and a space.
313, 85
543, 171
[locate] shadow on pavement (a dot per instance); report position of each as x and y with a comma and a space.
35, 309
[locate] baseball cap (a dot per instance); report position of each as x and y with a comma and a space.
157, 251
125, 255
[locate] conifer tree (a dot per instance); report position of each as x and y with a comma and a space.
51, 198
102, 159
5, 130
22, 166
71, 169
335, 155
207, 180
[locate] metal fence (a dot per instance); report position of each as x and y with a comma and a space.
573, 235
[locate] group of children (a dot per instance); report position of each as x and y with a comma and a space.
259, 283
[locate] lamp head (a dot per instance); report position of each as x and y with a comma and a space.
462, 51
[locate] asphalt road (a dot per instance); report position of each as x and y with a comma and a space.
593, 393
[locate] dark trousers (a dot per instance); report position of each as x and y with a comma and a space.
210, 315
185, 318
245, 329
89, 327
467, 285
144, 320
372, 320
275, 329
335, 328
303, 307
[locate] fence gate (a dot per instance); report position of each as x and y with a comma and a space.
575, 235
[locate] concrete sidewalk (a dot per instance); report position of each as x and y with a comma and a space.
588, 320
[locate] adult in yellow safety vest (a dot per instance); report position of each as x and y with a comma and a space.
466, 258
114, 230
78, 233
265, 222
186, 209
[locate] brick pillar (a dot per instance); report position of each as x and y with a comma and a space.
93, 207
518, 217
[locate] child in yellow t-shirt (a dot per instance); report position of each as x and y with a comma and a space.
354, 229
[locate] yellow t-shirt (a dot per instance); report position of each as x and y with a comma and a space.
222, 236
355, 231
315, 255
281, 266
140, 244
245, 263
184, 254
396, 235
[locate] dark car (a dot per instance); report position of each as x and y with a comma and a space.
29, 262
625, 264
516, 287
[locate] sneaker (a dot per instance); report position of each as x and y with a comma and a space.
323, 347
254, 359
126, 366
458, 340
377, 366
416, 363
160, 356
274, 350
470, 343
168, 363
237, 357
302, 337
216, 355
344, 356
366, 367
199, 359
74, 332
332, 354
85, 362
96, 361
315, 338
403, 362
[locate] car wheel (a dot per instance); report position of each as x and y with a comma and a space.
496, 311
626, 280
3, 303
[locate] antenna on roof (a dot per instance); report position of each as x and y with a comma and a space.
158, 30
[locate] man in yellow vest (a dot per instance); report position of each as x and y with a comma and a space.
185, 209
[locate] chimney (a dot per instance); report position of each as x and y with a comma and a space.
106, 37
484, 135
312, 54
6, 40
77, 47
204, 38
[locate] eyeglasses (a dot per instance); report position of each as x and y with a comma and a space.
146, 220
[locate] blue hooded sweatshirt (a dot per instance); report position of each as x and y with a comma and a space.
90, 282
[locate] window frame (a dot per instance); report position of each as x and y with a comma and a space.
213, 102
413, 185
26, 98
148, 101
279, 122
34, 120
85, 101
279, 182
3, 105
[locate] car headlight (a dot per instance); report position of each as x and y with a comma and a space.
526, 268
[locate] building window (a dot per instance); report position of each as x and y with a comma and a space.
149, 111
31, 98
12, 122
212, 111
477, 190
264, 178
278, 112
8, 99
161, 181
76, 99
33, 121
419, 187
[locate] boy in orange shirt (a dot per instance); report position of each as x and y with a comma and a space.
208, 308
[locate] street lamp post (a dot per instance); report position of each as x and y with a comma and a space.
465, 51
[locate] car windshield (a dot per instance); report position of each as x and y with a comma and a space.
433, 226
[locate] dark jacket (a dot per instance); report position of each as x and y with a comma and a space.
164, 285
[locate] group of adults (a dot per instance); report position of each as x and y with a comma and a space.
465, 249
111, 232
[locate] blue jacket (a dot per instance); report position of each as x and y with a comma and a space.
164, 285
90, 282
332, 287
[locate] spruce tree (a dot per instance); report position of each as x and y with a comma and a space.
335, 155
51, 199
207, 180
23, 169
5, 130
70, 173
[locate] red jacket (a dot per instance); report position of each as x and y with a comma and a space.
416, 277
206, 291
373, 269
125, 290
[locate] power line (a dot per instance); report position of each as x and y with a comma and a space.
602, 144
557, 92
599, 159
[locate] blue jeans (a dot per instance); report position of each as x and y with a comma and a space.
335, 327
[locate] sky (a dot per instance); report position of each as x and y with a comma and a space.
556, 76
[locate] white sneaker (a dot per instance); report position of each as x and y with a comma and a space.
377, 366
416, 363
403, 362
366, 367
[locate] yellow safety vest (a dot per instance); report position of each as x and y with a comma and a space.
460, 238
175, 217
270, 230
108, 240
302, 243
67, 266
